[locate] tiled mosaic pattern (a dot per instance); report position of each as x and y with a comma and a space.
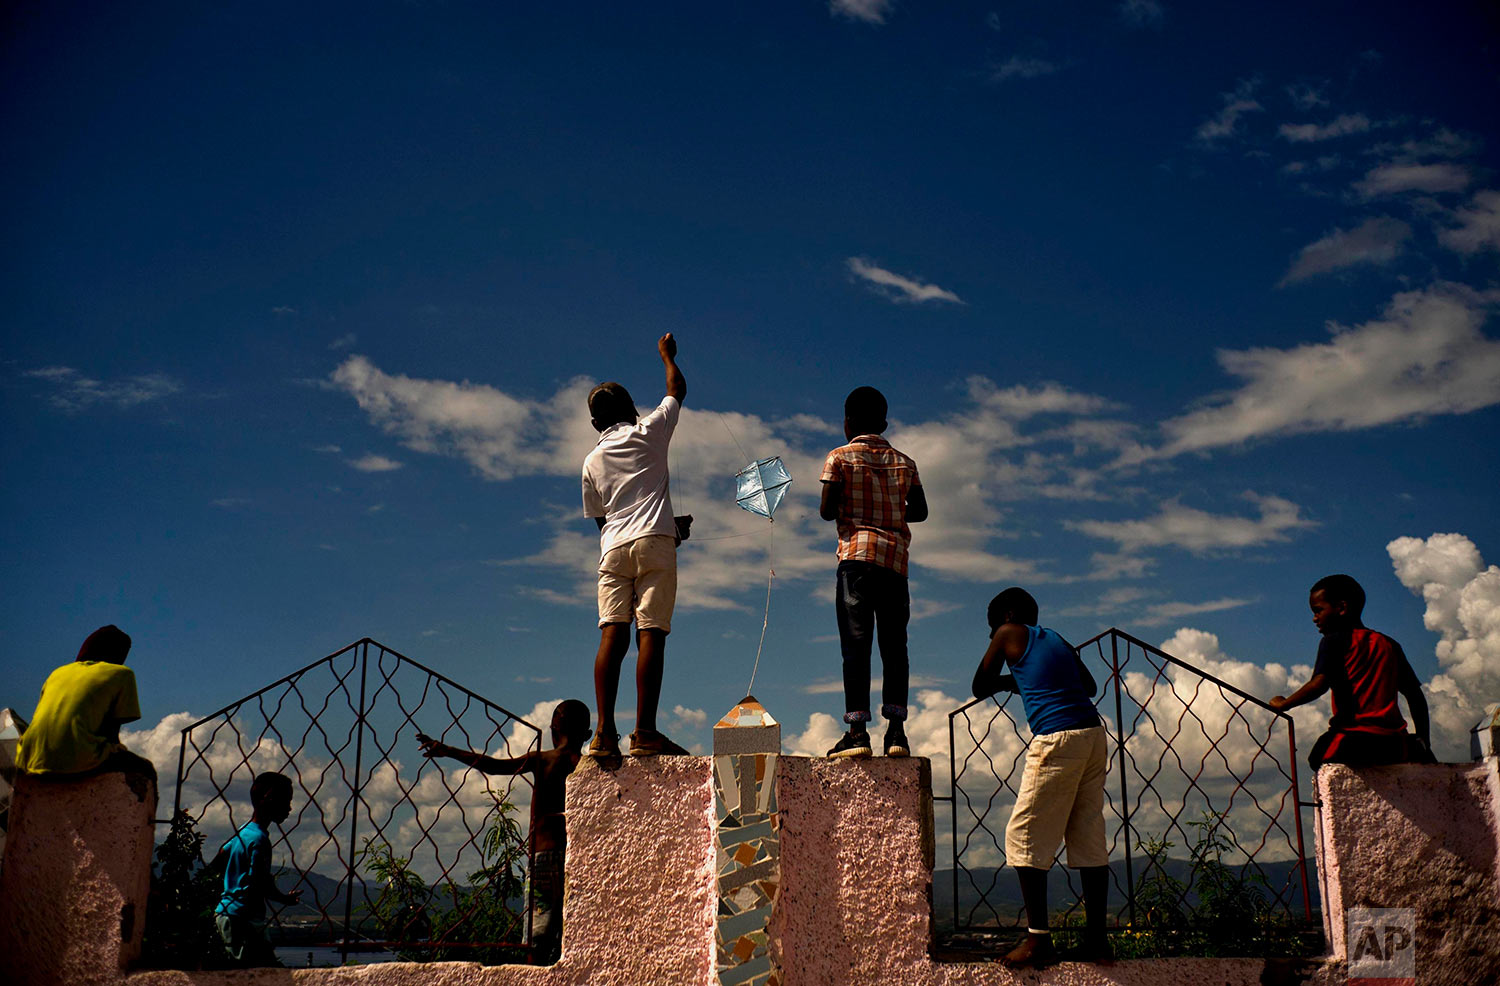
748, 842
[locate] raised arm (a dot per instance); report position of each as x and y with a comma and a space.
1006, 644
676, 382
432, 749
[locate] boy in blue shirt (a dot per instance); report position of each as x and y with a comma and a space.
246, 858
1062, 786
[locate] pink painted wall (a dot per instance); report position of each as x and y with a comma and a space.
76, 874
857, 856
1425, 837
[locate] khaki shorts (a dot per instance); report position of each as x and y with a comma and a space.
638, 580
1062, 797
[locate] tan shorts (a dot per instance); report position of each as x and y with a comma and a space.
1062, 797
638, 580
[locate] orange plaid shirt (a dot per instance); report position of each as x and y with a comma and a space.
872, 511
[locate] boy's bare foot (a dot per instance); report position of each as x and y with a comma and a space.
1034, 952
650, 743
605, 745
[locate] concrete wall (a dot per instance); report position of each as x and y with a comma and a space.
856, 843
1425, 837
76, 874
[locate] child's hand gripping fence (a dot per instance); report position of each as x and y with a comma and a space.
393, 852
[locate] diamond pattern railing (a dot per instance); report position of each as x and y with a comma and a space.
1192, 758
344, 730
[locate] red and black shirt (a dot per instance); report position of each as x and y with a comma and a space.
1363, 668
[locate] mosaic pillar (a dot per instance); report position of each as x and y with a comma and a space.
746, 743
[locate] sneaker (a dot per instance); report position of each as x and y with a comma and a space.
852, 745
650, 743
895, 740
605, 746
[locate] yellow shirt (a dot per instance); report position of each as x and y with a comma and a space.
77, 718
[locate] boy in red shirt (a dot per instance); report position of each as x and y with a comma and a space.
1364, 670
873, 491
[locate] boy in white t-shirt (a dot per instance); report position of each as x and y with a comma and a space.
626, 490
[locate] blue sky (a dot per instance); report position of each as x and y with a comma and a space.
1178, 309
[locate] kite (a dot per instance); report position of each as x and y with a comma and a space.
760, 486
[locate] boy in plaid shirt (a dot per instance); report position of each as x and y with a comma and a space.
873, 491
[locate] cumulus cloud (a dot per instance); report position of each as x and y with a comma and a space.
898, 287
501, 436
1394, 178
1022, 67
429, 810
1237, 105
868, 11
1199, 531
1463, 608
1340, 126
1478, 225
75, 392
1375, 241
374, 463
1426, 354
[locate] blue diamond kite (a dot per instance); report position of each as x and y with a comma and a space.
760, 486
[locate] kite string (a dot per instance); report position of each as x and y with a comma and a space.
770, 577
725, 421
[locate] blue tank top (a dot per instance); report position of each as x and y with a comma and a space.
1051, 685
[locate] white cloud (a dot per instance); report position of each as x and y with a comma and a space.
1478, 224
1199, 531
1307, 96
1375, 241
1225, 123
1463, 607
1424, 355
1394, 178
1160, 613
345, 341
327, 449
1142, 13
76, 392
868, 11
1342, 125
1023, 67
499, 435
694, 718
374, 463
896, 286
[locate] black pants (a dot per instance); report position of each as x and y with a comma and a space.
1358, 749
873, 604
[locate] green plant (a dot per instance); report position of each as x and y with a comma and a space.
180, 932
1220, 910
423, 917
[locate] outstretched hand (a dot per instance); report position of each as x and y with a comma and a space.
667, 346
430, 747
293, 897
1278, 703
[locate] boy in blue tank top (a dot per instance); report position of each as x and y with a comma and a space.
1062, 786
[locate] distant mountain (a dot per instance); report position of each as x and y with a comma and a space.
985, 890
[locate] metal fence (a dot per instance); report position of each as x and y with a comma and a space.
393, 852
1202, 787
